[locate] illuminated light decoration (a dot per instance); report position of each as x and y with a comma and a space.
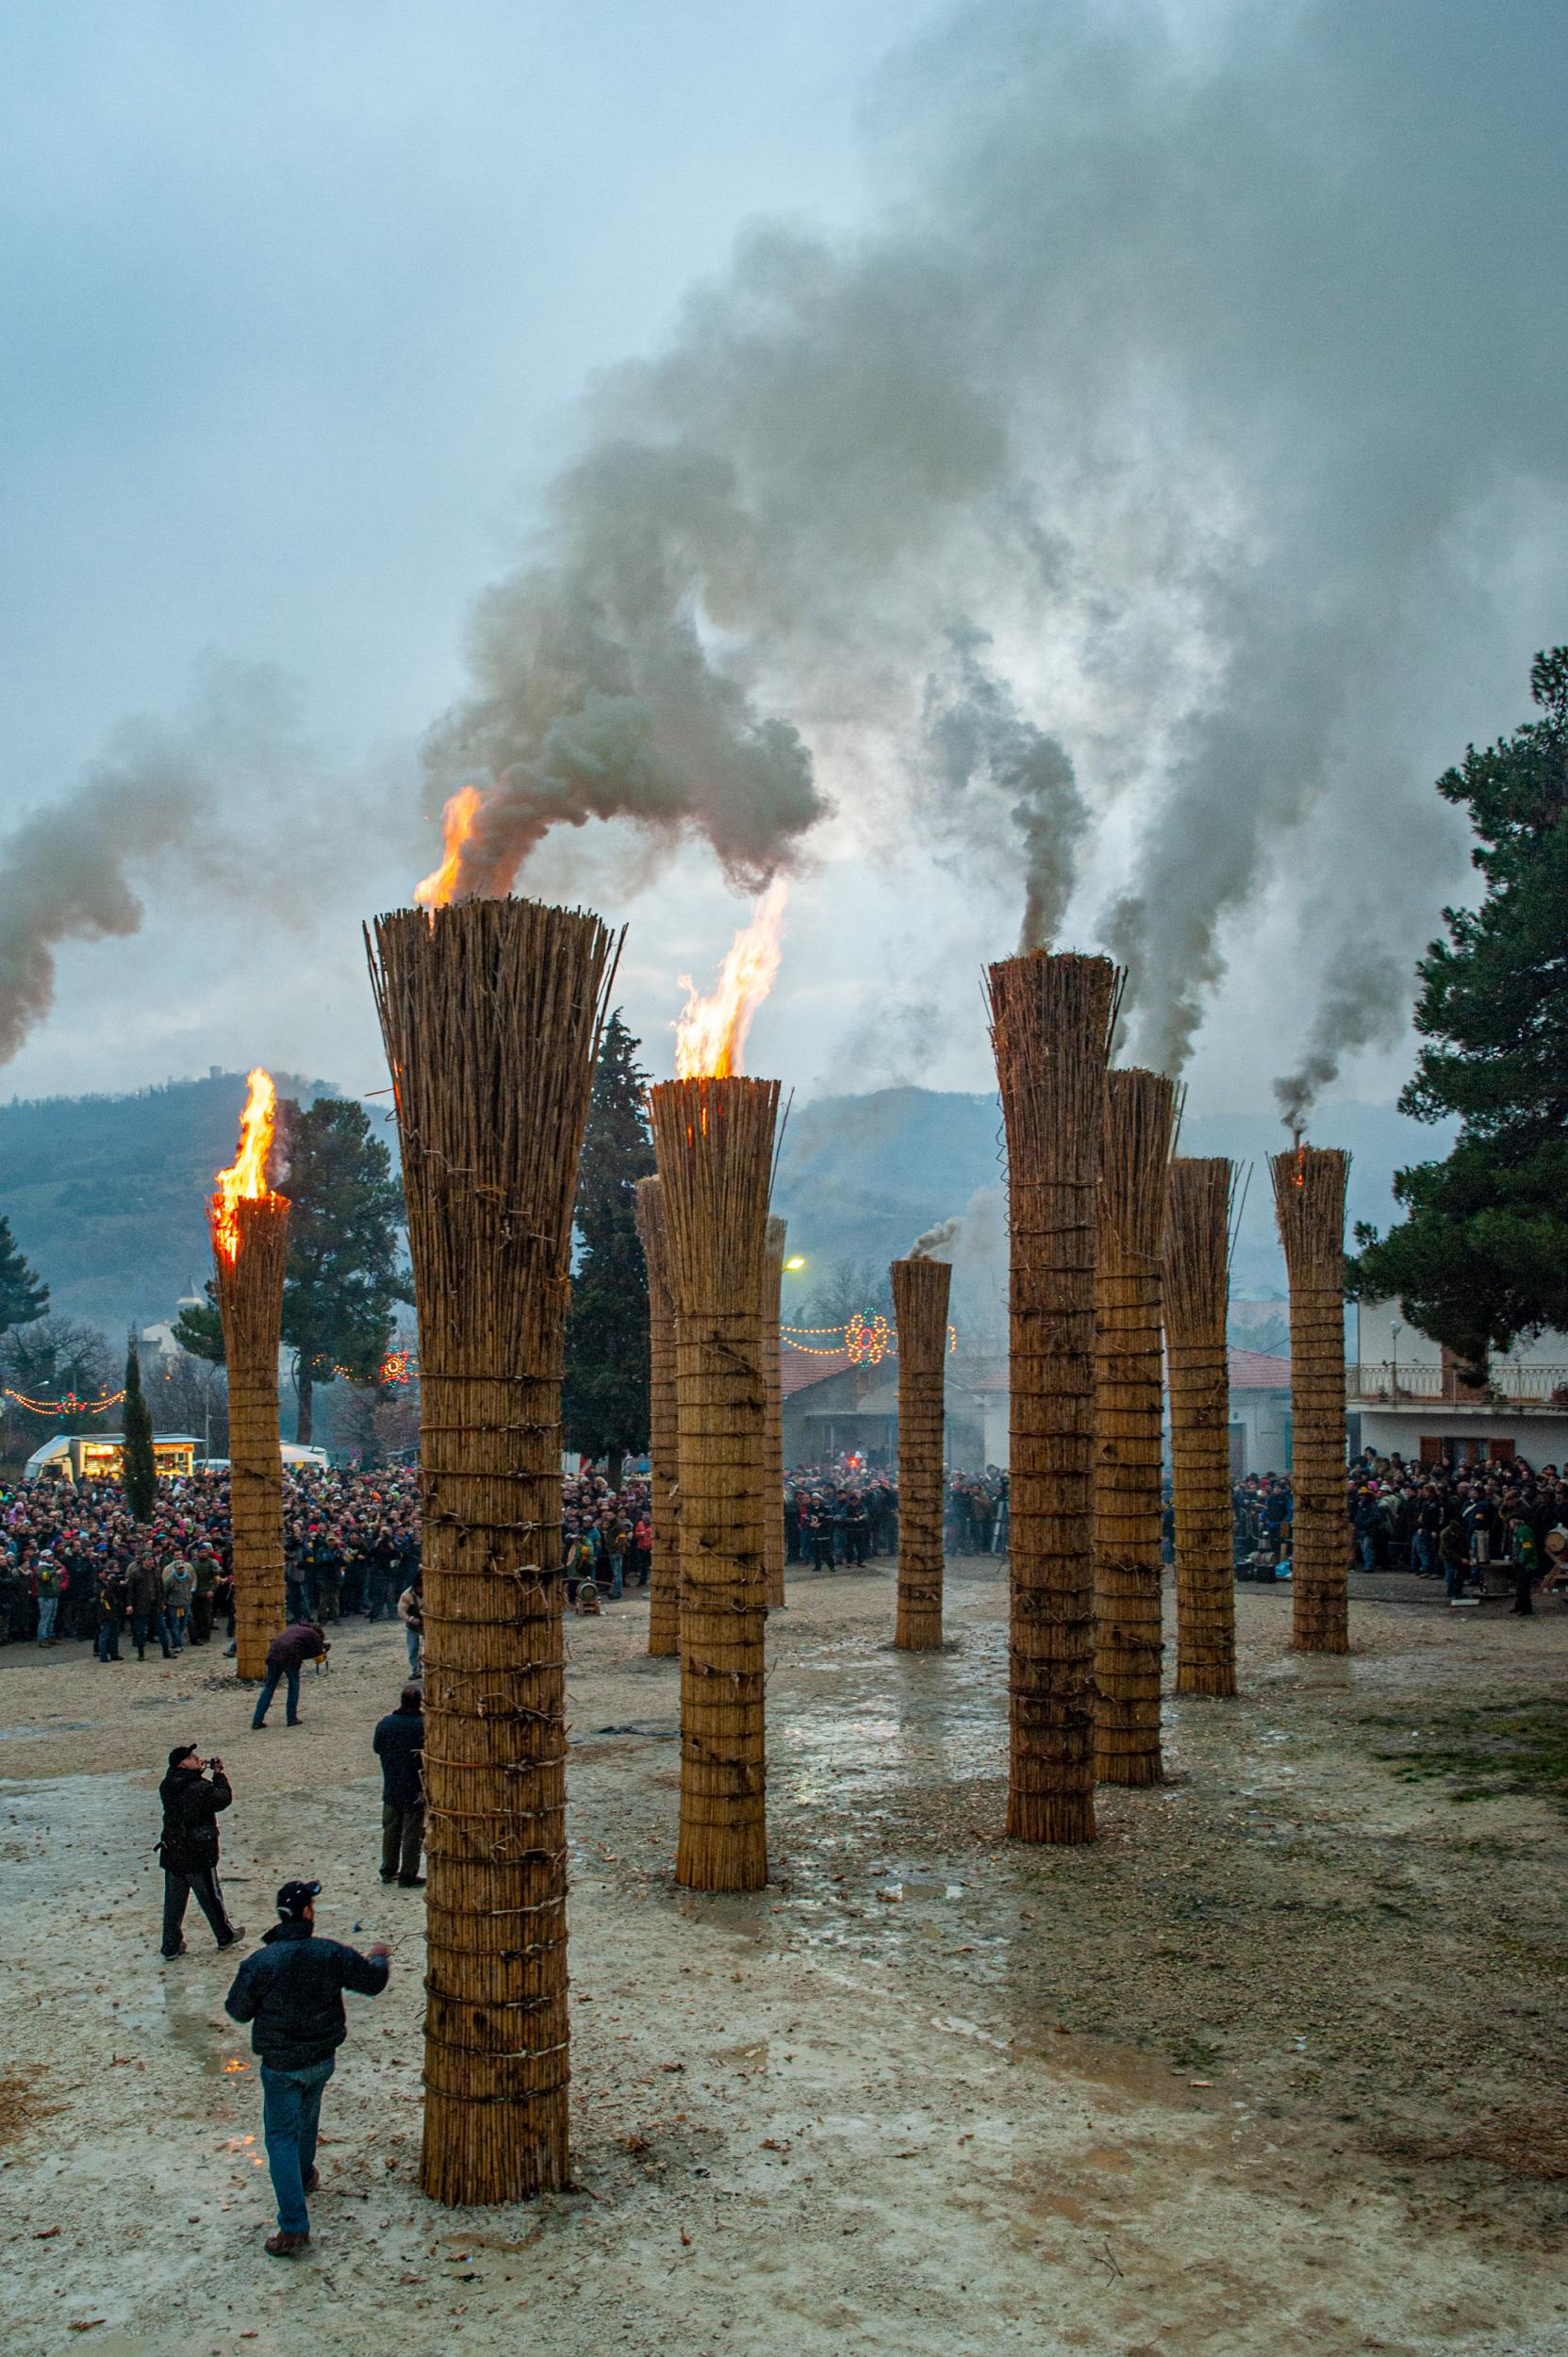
67, 1404
867, 1338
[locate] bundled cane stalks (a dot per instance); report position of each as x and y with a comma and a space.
1140, 1123
490, 1012
664, 1579
1198, 1292
250, 1301
772, 1348
713, 1139
1050, 1028
1309, 1202
920, 1289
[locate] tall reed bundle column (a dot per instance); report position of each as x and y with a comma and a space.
1050, 1028
772, 1349
1198, 1289
1140, 1120
664, 1579
491, 1010
714, 1143
250, 1250
1309, 1200
920, 1289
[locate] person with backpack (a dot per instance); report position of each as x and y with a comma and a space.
290, 1991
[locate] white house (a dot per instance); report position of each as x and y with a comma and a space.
1404, 1395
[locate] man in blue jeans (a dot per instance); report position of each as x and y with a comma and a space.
290, 1990
301, 1643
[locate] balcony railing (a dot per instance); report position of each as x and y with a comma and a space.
1390, 1383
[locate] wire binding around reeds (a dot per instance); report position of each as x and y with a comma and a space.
250, 1302
492, 1012
1051, 1019
920, 1291
713, 1139
1309, 1200
664, 1577
1200, 1213
774, 1545
1140, 1123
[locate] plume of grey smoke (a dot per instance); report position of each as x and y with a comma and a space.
1213, 361
975, 732
228, 798
1362, 1005
63, 872
932, 1244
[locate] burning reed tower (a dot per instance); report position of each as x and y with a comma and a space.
1051, 1026
1198, 1292
920, 1290
1140, 1121
492, 1012
713, 1141
1309, 1200
250, 1251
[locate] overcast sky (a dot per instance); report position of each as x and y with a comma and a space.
301, 306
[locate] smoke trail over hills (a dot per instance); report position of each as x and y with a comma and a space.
1207, 376
227, 801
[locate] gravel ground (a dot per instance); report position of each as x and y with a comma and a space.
1275, 2066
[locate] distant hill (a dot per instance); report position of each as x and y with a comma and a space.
106, 1195
860, 1177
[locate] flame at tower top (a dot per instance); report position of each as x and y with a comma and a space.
245, 1180
458, 821
710, 1032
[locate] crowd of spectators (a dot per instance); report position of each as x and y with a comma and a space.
846, 1513
74, 1564
1480, 1528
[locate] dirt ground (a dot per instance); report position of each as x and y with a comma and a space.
1276, 2065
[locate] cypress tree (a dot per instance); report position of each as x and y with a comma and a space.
137, 1470
605, 1401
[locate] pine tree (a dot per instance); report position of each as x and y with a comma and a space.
137, 1470
1481, 1255
199, 1327
23, 1296
605, 1400
343, 1277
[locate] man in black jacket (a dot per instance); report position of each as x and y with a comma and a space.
189, 1846
290, 1990
399, 1744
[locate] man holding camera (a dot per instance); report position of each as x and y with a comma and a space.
290, 1990
193, 1803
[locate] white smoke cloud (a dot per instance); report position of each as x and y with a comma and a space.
1188, 378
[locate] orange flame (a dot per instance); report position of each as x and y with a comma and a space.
458, 821
710, 1032
246, 1177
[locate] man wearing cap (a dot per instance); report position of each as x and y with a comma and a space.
290, 1990
187, 1846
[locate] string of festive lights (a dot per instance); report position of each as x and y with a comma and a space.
865, 1340
69, 1404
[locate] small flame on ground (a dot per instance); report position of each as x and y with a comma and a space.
710, 1032
246, 1177
458, 821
